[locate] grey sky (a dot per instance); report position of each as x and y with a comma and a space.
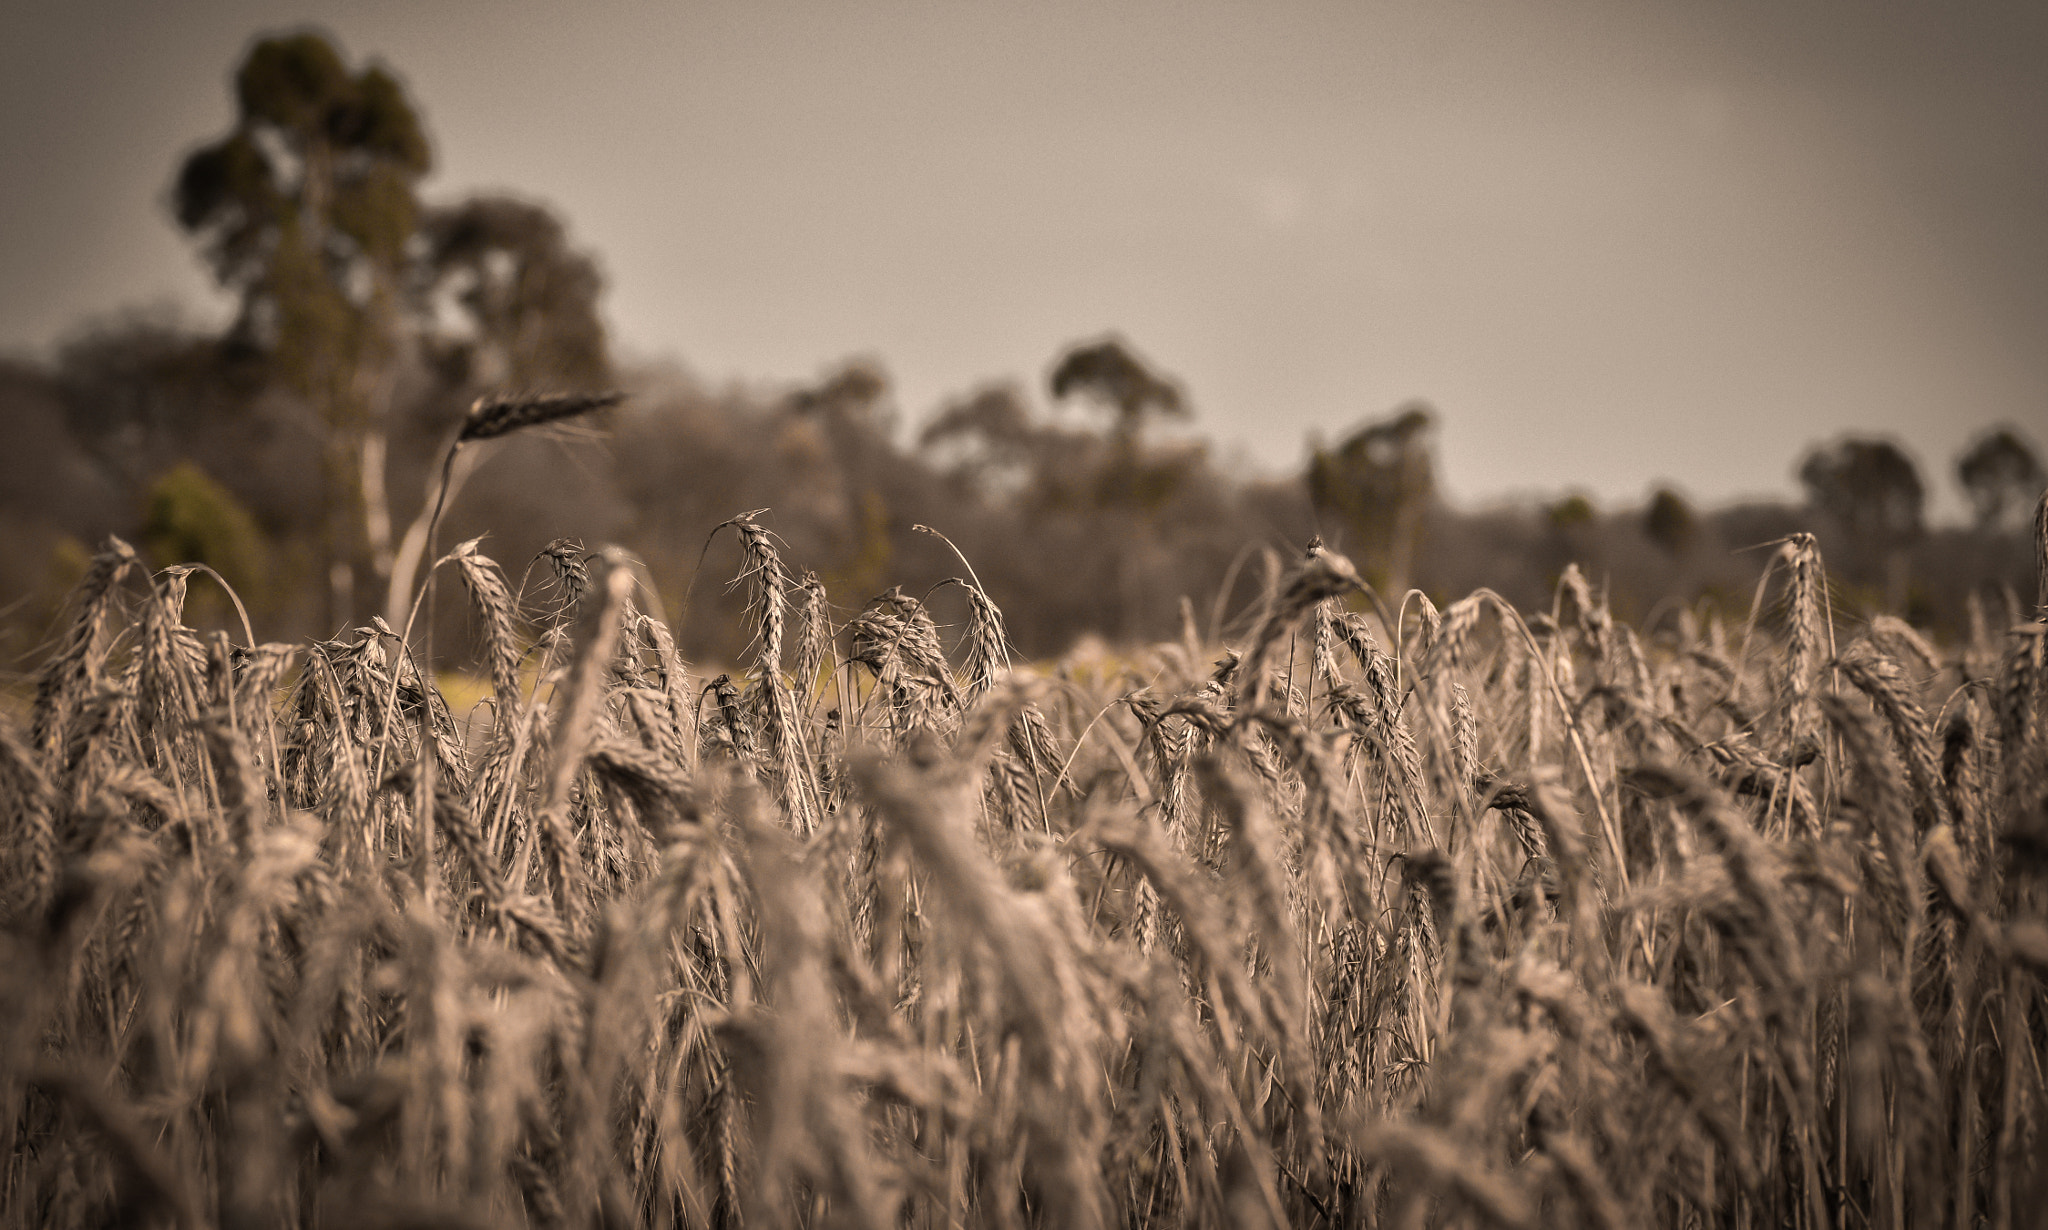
1613, 243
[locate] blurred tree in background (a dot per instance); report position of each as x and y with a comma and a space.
524, 303
839, 430
1571, 514
2000, 474
1134, 479
1378, 484
1870, 490
1670, 522
1869, 486
500, 300
380, 314
1110, 374
988, 440
191, 519
307, 211
1136, 475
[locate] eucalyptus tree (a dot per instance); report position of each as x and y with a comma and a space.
1135, 480
307, 210
1110, 374
2000, 473
382, 315
1377, 484
1871, 490
1670, 522
510, 301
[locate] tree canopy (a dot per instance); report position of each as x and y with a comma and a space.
1376, 483
1999, 473
1670, 523
1868, 486
306, 206
374, 309
1108, 372
528, 301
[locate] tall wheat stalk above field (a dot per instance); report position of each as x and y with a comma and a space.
489, 418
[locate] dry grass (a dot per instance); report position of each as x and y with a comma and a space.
1480, 918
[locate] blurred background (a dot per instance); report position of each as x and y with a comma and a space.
1123, 299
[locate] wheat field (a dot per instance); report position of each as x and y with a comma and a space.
1356, 912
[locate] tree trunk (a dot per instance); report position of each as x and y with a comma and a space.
376, 503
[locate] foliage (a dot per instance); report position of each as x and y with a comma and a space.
381, 314
306, 209
529, 299
1018, 487
1110, 374
1670, 522
2001, 475
1571, 513
314, 180
1376, 485
1868, 486
191, 519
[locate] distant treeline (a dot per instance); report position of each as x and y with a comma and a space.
1077, 523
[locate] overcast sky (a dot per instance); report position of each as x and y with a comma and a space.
1613, 243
